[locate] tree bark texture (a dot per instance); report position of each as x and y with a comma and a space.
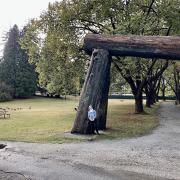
164, 47
163, 89
148, 100
95, 92
178, 94
139, 104
177, 83
163, 94
178, 97
151, 95
158, 89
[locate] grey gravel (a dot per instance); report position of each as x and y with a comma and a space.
154, 156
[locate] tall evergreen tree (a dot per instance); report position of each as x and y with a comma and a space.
10, 56
15, 69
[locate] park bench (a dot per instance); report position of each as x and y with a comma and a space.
4, 113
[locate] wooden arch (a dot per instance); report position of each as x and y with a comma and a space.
102, 48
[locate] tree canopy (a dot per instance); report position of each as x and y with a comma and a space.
16, 72
54, 40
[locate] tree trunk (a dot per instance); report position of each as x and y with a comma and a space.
154, 98
178, 95
148, 97
139, 104
157, 90
163, 94
148, 101
177, 102
95, 92
164, 47
151, 93
163, 89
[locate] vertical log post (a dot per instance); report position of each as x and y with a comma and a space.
95, 92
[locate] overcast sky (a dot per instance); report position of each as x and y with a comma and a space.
19, 12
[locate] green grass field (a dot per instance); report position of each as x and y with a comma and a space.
45, 120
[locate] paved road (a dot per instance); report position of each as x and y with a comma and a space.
155, 156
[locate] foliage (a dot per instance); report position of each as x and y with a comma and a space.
118, 83
58, 61
16, 72
65, 23
5, 92
10, 56
172, 80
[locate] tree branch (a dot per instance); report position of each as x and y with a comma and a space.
127, 77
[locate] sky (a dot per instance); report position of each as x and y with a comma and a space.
19, 12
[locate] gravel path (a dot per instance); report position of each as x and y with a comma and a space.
155, 156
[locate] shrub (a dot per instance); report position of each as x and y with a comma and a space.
5, 92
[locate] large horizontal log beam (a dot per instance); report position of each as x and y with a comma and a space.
164, 47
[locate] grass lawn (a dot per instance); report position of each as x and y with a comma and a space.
46, 120
122, 122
